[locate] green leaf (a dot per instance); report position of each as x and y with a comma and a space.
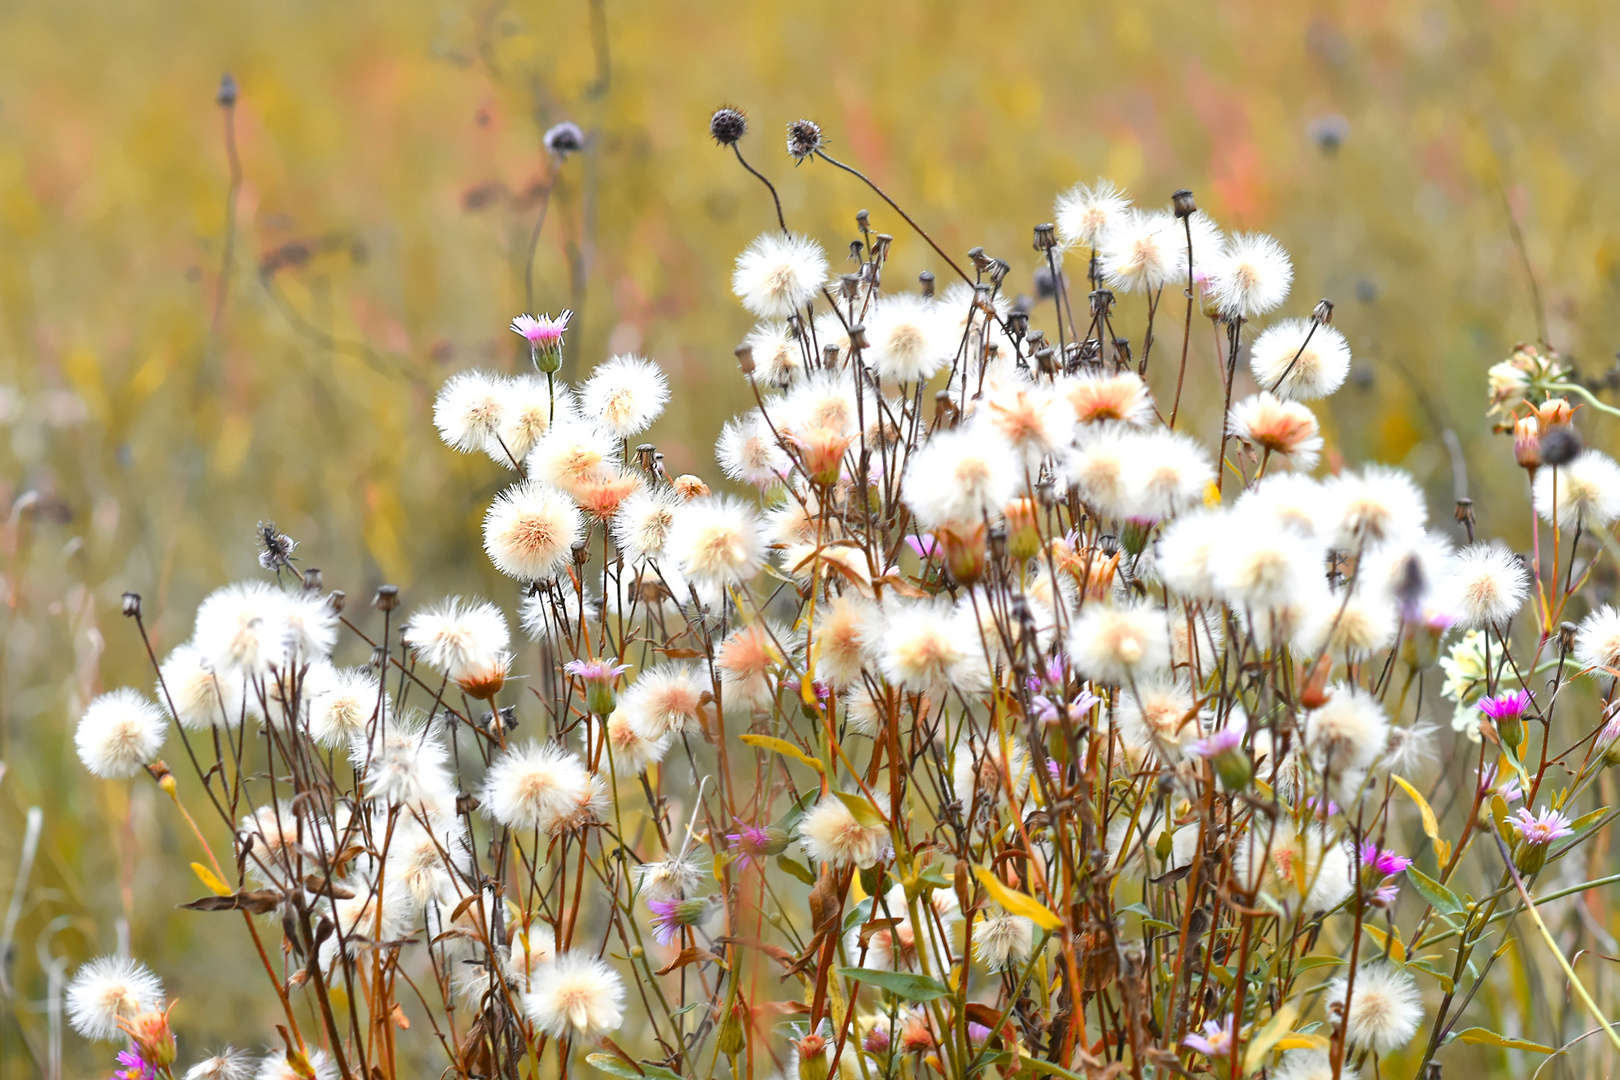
797, 869
901, 984
1310, 963
1478, 1036
616, 1067
1440, 897
859, 914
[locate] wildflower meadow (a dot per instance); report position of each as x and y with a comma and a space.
1027, 681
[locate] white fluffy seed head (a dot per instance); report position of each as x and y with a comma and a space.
1299, 359
575, 996
1586, 492
778, 355
1143, 252
1283, 432
1087, 213
1250, 276
275, 1066
633, 749
1157, 713
1294, 866
1283, 500
1118, 644
1003, 941
748, 452
119, 734
1165, 473
575, 454
107, 990
625, 395
470, 409
1034, 421
345, 709
1357, 626
927, 645
228, 1064
1100, 399
201, 699
716, 541
531, 408
777, 274
831, 833
1096, 469
1259, 567
404, 764
910, 338
1597, 642
959, 476
1348, 732
1486, 586
456, 635
641, 527
529, 531
541, 786
1385, 1007
1374, 505
1184, 551
241, 630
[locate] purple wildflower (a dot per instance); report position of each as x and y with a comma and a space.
1508, 706
543, 331
1215, 1040
1228, 739
1385, 862
748, 845
1508, 789
924, 545
1542, 828
977, 1033
131, 1066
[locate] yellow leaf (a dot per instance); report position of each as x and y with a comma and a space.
1296, 1041
783, 747
1390, 944
1431, 828
1212, 494
210, 882
1267, 1037
1017, 903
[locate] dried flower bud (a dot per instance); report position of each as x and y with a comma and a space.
857, 337
728, 125
150, 1033
1322, 313
1554, 412
998, 270
1182, 202
863, 220
387, 598
688, 486
1566, 637
335, 601
813, 1064
855, 250
564, 139
1527, 443
731, 1039
1102, 302
1560, 445
745, 359
981, 261
1018, 322
803, 139
312, 579
964, 549
582, 552
1046, 360
225, 96
945, 411
1045, 236
926, 280
849, 286
1314, 694
880, 246
132, 605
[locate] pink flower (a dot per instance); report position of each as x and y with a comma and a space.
923, 544
748, 845
1386, 863
1224, 741
1508, 706
543, 331
1542, 828
1215, 1040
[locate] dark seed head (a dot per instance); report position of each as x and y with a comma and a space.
728, 125
564, 139
803, 138
225, 96
1560, 445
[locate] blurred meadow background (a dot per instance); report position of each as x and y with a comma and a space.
167, 381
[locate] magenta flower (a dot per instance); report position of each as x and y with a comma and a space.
598, 677
669, 916
1384, 896
977, 1033
1509, 788
1386, 863
924, 545
543, 331
748, 845
1224, 741
1054, 770
131, 1066
1215, 1040
1509, 706
545, 338
1542, 828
